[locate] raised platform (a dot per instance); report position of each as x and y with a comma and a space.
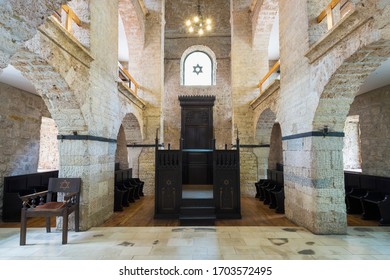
197, 192
197, 206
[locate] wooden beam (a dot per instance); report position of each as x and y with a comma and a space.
327, 9
272, 70
70, 16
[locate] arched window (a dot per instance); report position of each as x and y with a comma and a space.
198, 67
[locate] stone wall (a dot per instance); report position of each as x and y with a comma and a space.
373, 109
352, 144
152, 82
121, 155
20, 122
48, 146
177, 41
276, 149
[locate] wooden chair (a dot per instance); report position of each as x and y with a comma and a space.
69, 188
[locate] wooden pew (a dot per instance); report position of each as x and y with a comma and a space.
19, 185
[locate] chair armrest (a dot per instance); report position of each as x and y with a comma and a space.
29, 200
33, 195
69, 196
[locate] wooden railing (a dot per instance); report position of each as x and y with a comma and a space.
270, 72
125, 76
70, 17
328, 12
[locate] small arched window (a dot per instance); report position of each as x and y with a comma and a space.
198, 67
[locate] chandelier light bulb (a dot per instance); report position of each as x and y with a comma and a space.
196, 24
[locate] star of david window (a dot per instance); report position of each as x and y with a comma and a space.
197, 69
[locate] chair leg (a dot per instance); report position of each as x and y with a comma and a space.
48, 226
77, 219
23, 226
65, 227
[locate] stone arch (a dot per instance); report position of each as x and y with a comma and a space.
263, 132
207, 51
264, 126
134, 24
344, 84
121, 155
54, 89
20, 21
133, 137
263, 18
336, 78
275, 158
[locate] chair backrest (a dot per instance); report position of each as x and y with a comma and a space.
65, 185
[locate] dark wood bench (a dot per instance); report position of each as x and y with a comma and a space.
375, 203
271, 190
19, 185
357, 186
122, 197
127, 189
368, 195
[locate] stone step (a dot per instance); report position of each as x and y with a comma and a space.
197, 210
202, 220
197, 202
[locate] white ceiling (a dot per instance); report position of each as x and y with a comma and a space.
13, 77
123, 48
273, 46
377, 79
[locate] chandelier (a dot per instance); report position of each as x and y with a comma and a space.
197, 24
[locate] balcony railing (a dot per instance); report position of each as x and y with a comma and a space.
274, 69
343, 5
70, 17
125, 77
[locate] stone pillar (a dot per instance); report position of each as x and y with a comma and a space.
248, 172
262, 155
147, 169
93, 161
314, 184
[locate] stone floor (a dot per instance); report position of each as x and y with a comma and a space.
201, 243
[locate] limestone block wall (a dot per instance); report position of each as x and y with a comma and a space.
249, 63
20, 122
177, 41
276, 149
222, 111
121, 155
373, 109
248, 171
312, 164
48, 146
352, 147
20, 20
152, 80
147, 170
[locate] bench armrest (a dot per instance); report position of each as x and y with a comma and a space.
374, 196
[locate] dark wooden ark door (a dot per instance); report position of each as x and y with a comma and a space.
197, 134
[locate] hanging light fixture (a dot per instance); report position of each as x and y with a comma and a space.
197, 24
